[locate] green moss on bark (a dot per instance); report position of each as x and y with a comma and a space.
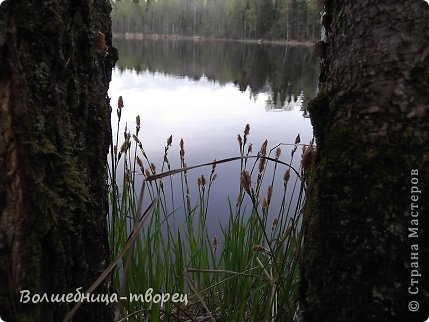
370, 128
53, 154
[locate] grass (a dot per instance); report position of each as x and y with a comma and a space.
250, 272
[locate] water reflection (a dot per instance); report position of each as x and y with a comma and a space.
189, 90
285, 73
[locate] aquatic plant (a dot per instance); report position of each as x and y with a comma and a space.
250, 272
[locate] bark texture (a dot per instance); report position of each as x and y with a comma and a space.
54, 133
370, 120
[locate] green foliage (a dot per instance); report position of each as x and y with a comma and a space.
250, 272
244, 19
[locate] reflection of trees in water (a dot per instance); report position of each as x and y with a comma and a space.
284, 73
274, 103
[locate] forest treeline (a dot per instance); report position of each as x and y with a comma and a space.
241, 19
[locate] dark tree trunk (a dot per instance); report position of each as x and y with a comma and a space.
370, 120
54, 133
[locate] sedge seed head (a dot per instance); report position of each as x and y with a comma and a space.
135, 138
286, 176
139, 162
258, 248
182, 148
153, 168
245, 180
124, 147
261, 164
270, 192
274, 224
240, 140
120, 103
138, 120
264, 148
288, 230
128, 177
264, 203
215, 242
247, 130
307, 158
298, 139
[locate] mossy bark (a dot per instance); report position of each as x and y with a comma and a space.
54, 134
370, 120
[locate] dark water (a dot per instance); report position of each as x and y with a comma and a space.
283, 72
206, 92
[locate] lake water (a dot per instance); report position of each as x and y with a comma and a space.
205, 92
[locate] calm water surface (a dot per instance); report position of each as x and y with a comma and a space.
205, 93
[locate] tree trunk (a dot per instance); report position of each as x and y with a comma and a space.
55, 127
363, 252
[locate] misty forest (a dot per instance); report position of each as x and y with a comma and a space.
214, 160
239, 19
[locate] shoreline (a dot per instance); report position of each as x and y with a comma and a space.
141, 36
